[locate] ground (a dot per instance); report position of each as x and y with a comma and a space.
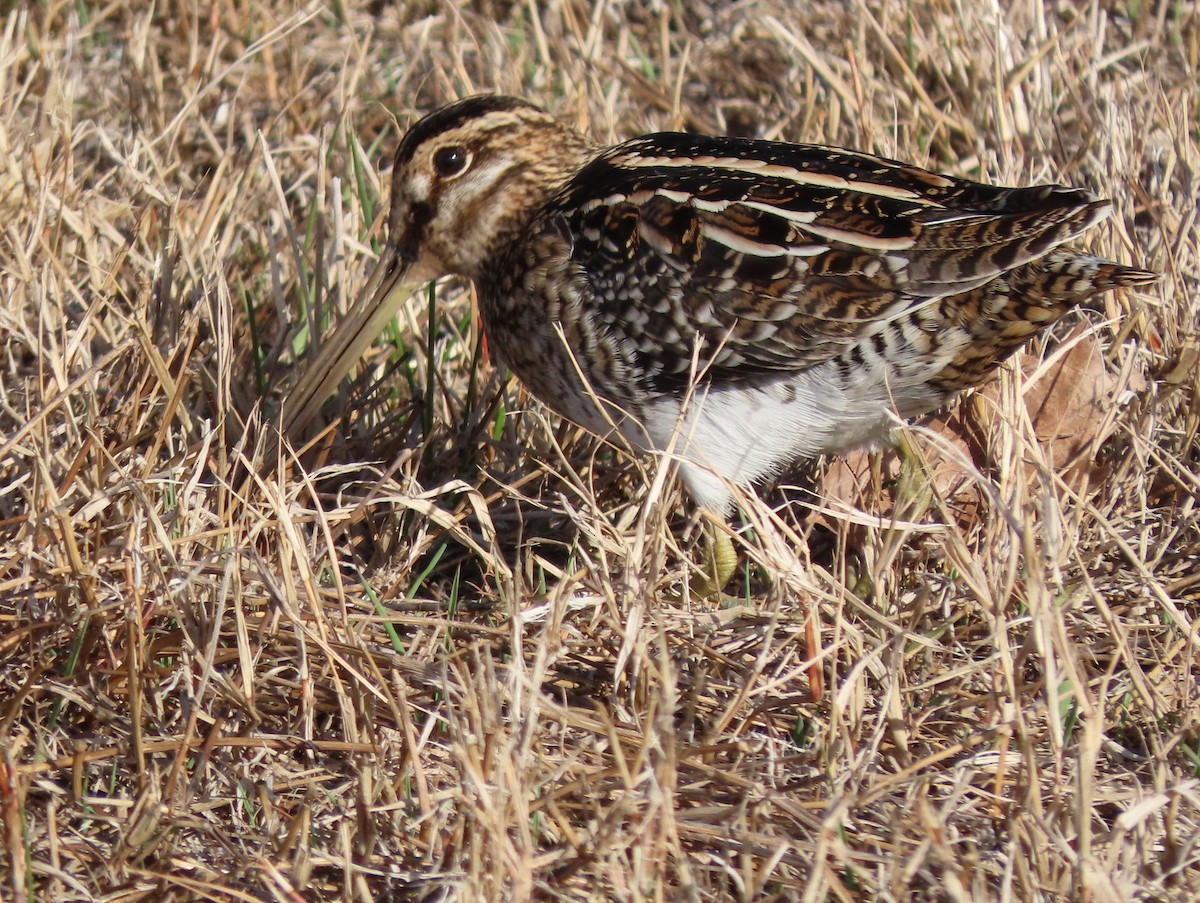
448, 652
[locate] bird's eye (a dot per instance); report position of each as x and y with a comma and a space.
450, 161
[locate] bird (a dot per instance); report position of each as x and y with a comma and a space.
739, 304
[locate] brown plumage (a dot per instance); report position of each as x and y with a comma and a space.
740, 303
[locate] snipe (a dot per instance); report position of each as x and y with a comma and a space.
746, 303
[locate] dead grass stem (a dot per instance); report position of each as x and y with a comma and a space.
444, 654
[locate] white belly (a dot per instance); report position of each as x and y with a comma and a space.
744, 434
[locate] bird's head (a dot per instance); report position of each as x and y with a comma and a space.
468, 176
467, 179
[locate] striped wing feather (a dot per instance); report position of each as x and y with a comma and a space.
781, 256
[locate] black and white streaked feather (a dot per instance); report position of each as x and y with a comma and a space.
744, 303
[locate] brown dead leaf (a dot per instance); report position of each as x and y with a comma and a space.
1073, 403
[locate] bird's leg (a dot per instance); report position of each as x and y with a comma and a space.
915, 486
720, 563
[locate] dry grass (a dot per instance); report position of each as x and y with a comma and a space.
445, 657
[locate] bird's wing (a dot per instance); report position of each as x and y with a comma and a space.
742, 257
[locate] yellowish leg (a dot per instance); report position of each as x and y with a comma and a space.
720, 563
914, 489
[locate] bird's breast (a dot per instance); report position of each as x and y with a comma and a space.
541, 319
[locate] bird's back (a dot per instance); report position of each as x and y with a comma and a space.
746, 259
796, 293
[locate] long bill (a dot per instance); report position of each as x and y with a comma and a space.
391, 284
